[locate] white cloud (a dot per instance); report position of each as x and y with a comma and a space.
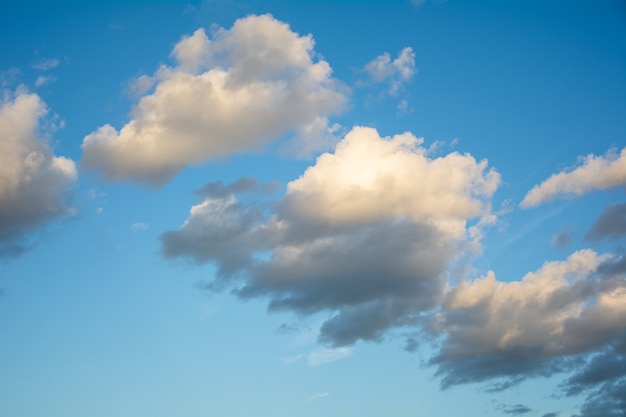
33, 181
396, 72
318, 395
402, 107
370, 178
43, 80
140, 226
247, 86
323, 356
47, 64
512, 328
366, 233
594, 173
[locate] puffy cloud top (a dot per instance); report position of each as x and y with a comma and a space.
530, 327
369, 178
247, 86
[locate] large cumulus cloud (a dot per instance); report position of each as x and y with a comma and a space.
568, 316
366, 233
246, 86
33, 181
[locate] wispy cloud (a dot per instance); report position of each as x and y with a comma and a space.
593, 173
140, 226
47, 64
317, 396
323, 356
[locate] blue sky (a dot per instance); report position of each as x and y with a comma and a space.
313, 208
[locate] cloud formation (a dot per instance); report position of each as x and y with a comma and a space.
47, 64
536, 326
33, 181
610, 224
594, 173
366, 233
397, 72
243, 88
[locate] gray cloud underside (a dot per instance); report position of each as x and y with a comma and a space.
610, 224
515, 410
375, 277
33, 181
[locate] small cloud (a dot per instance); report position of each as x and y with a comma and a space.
411, 344
396, 73
307, 337
610, 224
9, 77
189, 9
46, 64
317, 396
286, 328
561, 239
403, 107
98, 210
43, 80
324, 356
140, 226
515, 410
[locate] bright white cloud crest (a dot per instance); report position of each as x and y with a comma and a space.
595, 173
248, 86
369, 178
33, 180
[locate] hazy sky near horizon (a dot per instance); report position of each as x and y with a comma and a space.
312, 208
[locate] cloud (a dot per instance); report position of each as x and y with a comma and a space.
515, 410
369, 179
602, 368
610, 224
318, 395
397, 72
594, 173
33, 181
43, 80
561, 239
607, 401
242, 185
47, 64
245, 87
140, 226
323, 356
603, 380
366, 233
541, 325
